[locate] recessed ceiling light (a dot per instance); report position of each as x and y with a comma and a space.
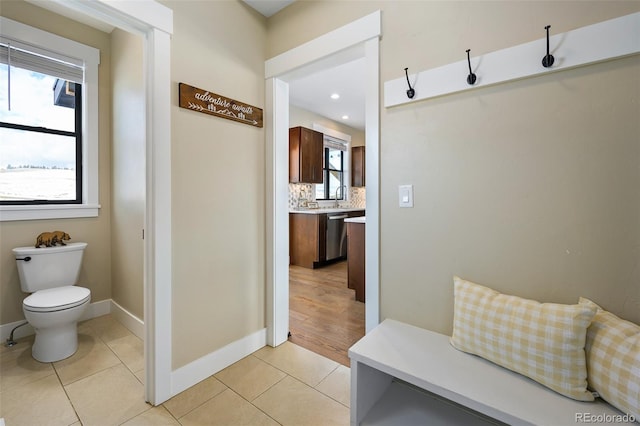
335, 96
345, 117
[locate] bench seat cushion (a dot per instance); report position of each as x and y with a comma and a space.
613, 360
543, 341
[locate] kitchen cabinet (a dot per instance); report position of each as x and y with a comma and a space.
305, 155
355, 258
309, 236
358, 166
307, 243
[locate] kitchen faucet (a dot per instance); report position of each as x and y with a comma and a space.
338, 189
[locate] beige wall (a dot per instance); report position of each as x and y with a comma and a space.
128, 172
305, 118
96, 269
217, 180
529, 187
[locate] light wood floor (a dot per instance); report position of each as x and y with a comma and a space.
324, 316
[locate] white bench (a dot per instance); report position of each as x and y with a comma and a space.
405, 375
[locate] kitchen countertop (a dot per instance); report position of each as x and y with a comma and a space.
359, 219
326, 210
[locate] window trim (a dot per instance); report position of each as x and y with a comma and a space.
90, 56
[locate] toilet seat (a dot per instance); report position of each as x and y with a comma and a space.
56, 299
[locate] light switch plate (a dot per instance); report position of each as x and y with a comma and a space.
405, 195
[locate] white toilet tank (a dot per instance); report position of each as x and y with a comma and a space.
48, 267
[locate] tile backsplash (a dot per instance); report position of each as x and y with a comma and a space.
357, 197
298, 191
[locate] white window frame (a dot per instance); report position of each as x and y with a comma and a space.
90, 56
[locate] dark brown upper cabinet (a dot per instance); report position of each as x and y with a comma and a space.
357, 166
305, 155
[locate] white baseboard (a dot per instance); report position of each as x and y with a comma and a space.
198, 370
96, 309
126, 318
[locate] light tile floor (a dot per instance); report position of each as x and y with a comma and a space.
101, 384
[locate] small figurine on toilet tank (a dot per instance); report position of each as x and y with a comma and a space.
50, 239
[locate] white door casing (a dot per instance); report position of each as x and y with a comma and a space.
358, 39
154, 22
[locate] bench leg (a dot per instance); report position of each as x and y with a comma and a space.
367, 386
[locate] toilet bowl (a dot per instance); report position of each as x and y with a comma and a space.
54, 315
56, 303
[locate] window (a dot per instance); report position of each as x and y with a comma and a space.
333, 171
40, 138
48, 125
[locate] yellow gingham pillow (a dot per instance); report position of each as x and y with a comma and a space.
543, 341
613, 360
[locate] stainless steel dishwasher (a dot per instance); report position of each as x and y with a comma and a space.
336, 236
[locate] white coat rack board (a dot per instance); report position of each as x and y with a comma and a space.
599, 42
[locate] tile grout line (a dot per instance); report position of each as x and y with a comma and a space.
327, 395
94, 373
198, 406
170, 413
256, 407
121, 362
295, 378
325, 378
320, 392
64, 389
117, 356
289, 374
77, 380
263, 392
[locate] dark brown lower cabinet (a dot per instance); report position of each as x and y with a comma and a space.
355, 259
308, 238
307, 242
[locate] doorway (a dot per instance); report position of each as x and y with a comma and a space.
324, 315
355, 40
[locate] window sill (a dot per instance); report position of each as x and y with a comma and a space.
50, 211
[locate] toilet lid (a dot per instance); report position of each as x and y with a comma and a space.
57, 299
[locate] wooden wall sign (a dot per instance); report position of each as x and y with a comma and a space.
210, 103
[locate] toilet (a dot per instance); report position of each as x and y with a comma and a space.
56, 303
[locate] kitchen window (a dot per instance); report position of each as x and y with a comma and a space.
48, 125
333, 170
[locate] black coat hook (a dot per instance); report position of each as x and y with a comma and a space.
410, 93
547, 61
471, 78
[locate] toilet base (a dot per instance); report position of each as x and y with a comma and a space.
56, 332
55, 344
